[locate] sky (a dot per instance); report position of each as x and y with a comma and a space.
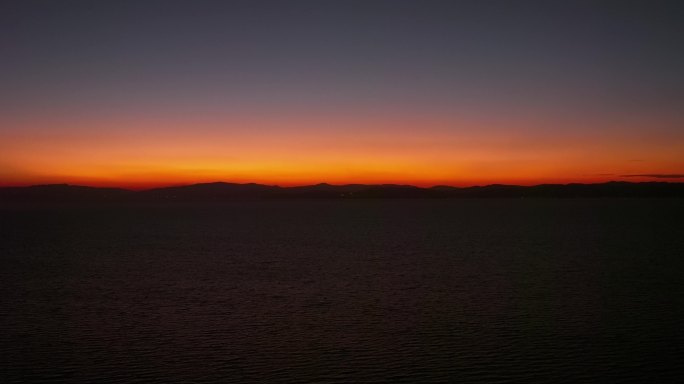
143, 93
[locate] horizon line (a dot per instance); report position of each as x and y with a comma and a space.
660, 181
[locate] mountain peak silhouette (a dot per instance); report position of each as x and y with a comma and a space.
226, 191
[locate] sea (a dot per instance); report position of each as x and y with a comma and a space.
344, 291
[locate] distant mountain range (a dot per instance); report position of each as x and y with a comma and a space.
231, 191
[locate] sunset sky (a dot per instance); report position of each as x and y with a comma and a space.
148, 93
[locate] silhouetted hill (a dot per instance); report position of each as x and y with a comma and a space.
609, 189
322, 190
64, 193
231, 191
209, 192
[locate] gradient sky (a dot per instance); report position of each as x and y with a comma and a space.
147, 93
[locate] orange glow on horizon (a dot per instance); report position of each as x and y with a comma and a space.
141, 153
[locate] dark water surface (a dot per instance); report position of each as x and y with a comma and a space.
481, 291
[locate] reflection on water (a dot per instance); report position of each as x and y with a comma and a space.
344, 291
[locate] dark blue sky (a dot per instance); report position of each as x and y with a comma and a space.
616, 53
